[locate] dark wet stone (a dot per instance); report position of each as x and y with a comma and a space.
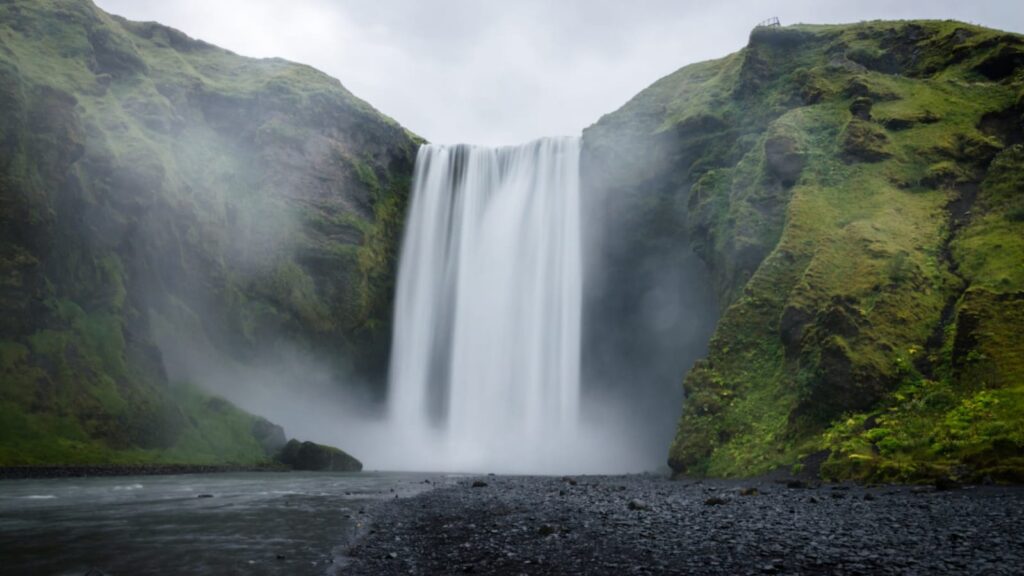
715, 501
947, 484
317, 457
526, 527
479, 484
637, 504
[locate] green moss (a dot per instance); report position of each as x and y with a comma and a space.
377, 260
290, 287
842, 257
150, 178
220, 432
863, 141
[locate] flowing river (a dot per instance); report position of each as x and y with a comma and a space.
232, 523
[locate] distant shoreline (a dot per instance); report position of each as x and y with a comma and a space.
85, 471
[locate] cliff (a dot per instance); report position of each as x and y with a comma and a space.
857, 193
155, 189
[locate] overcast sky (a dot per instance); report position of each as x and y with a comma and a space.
491, 72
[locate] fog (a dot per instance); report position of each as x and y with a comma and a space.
508, 72
647, 312
504, 73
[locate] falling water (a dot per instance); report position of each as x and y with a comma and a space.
486, 353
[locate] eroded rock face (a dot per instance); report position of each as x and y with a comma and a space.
784, 159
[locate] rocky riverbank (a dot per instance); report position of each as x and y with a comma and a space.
650, 525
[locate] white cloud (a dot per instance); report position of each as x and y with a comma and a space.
493, 72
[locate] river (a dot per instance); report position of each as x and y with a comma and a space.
231, 523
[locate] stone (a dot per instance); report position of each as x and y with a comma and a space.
317, 457
479, 484
783, 159
637, 504
715, 501
861, 108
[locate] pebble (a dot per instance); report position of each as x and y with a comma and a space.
636, 504
598, 530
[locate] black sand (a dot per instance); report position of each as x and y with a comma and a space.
651, 525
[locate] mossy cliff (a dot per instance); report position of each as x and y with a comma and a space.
152, 184
857, 193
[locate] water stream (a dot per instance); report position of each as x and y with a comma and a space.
486, 353
238, 523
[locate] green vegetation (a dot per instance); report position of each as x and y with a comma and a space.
856, 192
151, 180
209, 430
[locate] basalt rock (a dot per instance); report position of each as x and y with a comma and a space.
309, 456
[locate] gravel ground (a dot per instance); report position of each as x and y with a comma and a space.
651, 525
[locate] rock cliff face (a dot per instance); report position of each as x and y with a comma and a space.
155, 190
857, 193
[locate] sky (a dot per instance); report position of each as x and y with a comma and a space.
500, 72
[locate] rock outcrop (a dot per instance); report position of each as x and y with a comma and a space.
310, 456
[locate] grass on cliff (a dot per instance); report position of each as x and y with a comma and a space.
837, 286
161, 174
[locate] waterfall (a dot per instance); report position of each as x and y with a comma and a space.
486, 352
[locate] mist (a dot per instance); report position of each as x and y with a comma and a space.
647, 312
259, 223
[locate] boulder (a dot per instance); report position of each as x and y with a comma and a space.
317, 457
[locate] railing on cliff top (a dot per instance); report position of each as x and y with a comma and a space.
772, 22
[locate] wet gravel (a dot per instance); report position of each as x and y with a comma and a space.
651, 525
